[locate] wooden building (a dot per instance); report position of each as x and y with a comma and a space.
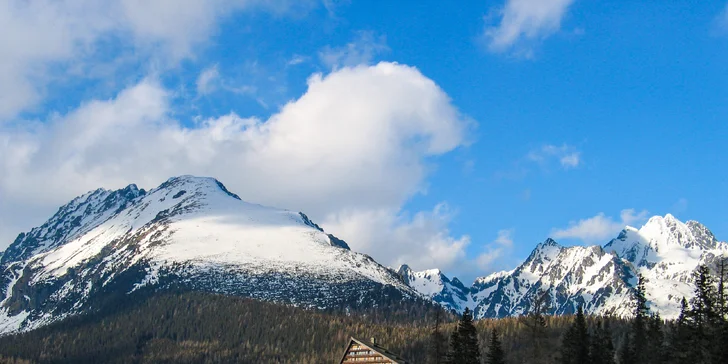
360, 352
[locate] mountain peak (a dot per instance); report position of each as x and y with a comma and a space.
665, 233
432, 283
550, 242
547, 246
196, 183
667, 220
404, 268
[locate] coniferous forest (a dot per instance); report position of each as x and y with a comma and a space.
189, 327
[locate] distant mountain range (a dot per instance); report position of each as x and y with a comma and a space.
600, 278
191, 233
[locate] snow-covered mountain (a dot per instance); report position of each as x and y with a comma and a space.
602, 279
451, 294
192, 233
666, 252
188, 233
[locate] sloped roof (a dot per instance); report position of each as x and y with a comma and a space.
378, 349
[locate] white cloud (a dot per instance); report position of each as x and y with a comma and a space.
362, 50
567, 156
349, 152
505, 237
296, 60
422, 241
206, 81
495, 250
600, 228
486, 260
524, 22
571, 160
74, 35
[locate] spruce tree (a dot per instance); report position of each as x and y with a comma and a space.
464, 348
437, 348
575, 343
625, 351
703, 317
720, 340
679, 340
722, 307
601, 349
495, 350
655, 353
455, 354
638, 339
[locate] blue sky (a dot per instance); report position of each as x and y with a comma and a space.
420, 132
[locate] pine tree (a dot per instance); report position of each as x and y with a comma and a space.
720, 345
601, 349
469, 336
437, 350
495, 351
638, 339
625, 351
702, 316
455, 354
464, 348
722, 307
679, 347
655, 353
575, 344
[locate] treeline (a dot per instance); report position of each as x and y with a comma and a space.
189, 327
192, 327
698, 335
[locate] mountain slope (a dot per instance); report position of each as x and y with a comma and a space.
573, 276
666, 252
602, 279
188, 233
451, 294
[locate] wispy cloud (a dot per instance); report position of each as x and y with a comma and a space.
296, 60
545, 158
362, 50
599, 228
522, 23
207, 79
567, 156
496, 249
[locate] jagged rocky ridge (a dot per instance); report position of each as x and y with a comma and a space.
189, 233
601, 278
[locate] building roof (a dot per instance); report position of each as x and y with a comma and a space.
376, 348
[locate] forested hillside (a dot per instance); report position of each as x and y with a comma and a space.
196, 327
193, 327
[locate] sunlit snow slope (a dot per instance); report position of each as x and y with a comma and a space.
190, 233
